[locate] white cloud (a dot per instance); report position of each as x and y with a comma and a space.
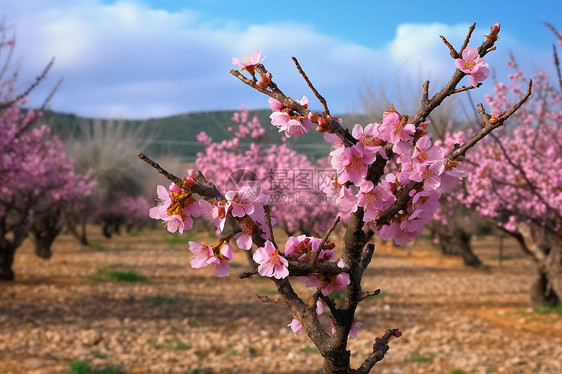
105, 53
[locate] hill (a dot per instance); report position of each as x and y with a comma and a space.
176, 135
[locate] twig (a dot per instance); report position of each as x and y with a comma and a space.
453, 51
379, 350
248, 274
266, 299
314, 255
369, 294
488, 127
309, 83
169, 176
467, 39
557, 64
30, 88
267, 210
51, 94
464, 88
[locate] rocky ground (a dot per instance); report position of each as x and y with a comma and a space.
454, 319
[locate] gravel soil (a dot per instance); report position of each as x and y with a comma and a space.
180, 320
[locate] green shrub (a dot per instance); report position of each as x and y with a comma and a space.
106, 275
83, 367
416, 357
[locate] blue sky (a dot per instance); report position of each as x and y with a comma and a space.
118, 58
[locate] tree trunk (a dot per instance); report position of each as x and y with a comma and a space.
546, 250
7, 251
541, 291
455, 241
44, 233
72, 222
337, 362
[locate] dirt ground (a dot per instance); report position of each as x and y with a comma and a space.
454, 319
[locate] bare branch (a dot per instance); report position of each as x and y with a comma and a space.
467, 39
248, 274
314, 255
30, 88
309, 83
267, 210
369, 294
379, 350
489, 125
51, 94
169, 176
266, 299
453, 51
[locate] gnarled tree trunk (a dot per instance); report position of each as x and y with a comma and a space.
44, 231
453, 240
546, 251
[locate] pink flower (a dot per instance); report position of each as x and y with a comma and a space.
250, 62
339, 282
174, 208
472, 64
368, 139
301, 247
216, 256
275, 104
271, 262
296, 326
393, 129
452, 174
352, 163
374, 199
244, 238
284, 121
243, 201
215, 212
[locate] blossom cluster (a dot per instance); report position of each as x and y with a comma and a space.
416, 159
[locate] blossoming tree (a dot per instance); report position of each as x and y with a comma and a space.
37, 179
390, 204
516, 177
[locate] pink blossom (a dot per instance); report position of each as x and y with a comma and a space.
393, 129
291, 124
472, 64
215, 212
250, 62
374, 199
452, 174
275, 104
352, 163
336, 283
216, 256
243, 201
368, 139
296, 326
272, 264
301, 247
174, 208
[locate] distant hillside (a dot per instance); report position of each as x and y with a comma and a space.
176, 135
